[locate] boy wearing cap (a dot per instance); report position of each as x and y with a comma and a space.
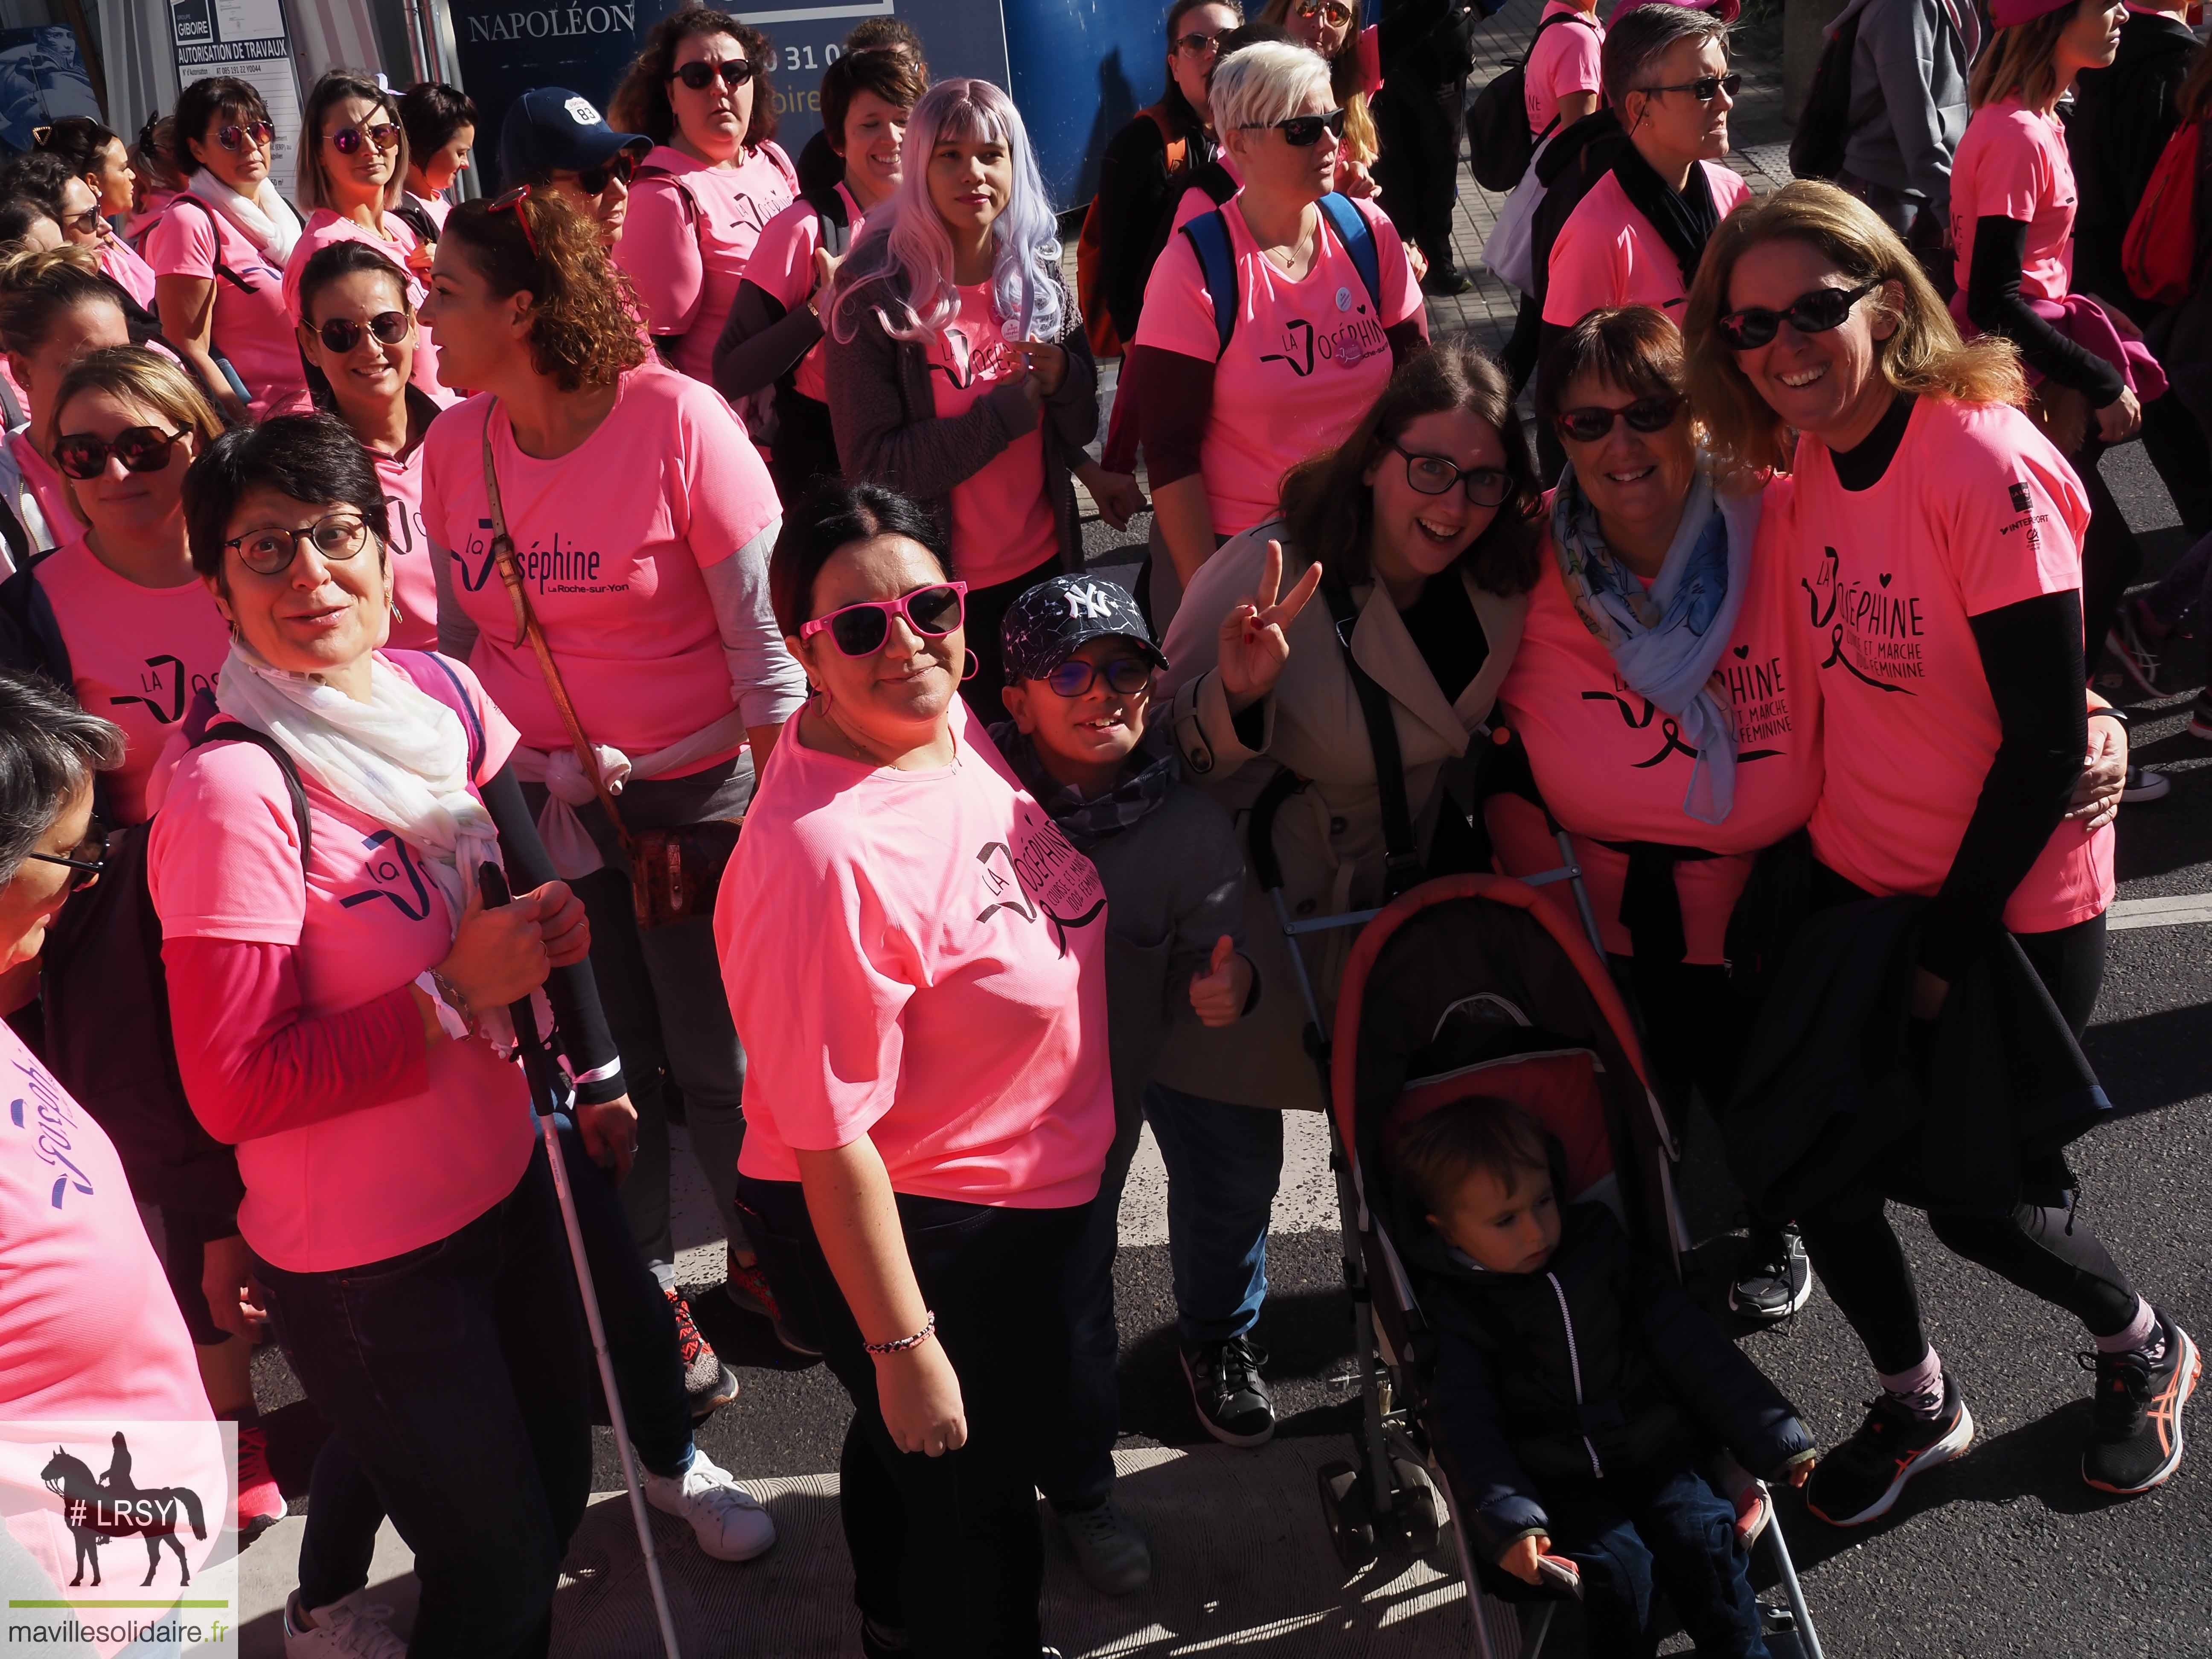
1079, 663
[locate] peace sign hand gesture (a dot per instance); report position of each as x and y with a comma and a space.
1254, 645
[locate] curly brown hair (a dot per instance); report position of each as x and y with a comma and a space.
584, 315
641, 102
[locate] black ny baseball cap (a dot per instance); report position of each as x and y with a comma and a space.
1054, 620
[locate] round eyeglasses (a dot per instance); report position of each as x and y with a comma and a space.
1433, 475
269, 551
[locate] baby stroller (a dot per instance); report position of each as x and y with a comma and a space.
1465, 984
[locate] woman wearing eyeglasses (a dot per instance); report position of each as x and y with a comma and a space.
641, 518
353, 176
699, 90
553, 142
218, 250
1354, 56
915, 956
54, 181
1937, 559
1315, 333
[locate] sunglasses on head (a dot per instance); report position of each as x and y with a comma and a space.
734, 73
1195, 43
859, 630
1302, 131
85, 860
268, 551
1590, 422
1704, 89
343, 334
512, 201
1125, 677
83, 455
238, 137
348, 140
1813, 313
621, 167
1433, 475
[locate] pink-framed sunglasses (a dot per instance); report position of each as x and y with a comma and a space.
859, 630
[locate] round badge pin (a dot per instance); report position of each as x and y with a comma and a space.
1343, 298
1010, 329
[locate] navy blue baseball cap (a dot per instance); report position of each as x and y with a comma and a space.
1053, 621
552, 128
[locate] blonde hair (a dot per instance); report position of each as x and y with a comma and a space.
1924, 354
2023, 59
135, 375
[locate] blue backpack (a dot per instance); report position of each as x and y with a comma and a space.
1217, 258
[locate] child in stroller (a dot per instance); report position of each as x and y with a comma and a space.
1575, 1381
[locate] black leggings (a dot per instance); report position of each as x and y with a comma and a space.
2046, 1250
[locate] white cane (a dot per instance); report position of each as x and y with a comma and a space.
545, 1098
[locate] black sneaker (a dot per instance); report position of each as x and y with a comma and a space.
1773, 1279
1859, 1480
2143, 785
708, 1384
2134, 1437
1446, 281
1225, 1386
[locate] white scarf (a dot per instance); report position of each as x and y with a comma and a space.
265, 218
401, 759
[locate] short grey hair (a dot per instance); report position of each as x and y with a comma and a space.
1265, 84
1638, 38
49, 749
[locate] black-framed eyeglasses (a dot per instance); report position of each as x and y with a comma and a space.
1334, 11
83, 455
1704, 89
1590, 422
1124, 676
1195, 43
84, 861
1815, 312
1433, 475
385, 135
343, 334
269, 551
263, 133
734, 73
1302, 131
620, 167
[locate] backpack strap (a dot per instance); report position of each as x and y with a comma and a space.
30, 634
1208, 236
1359, 238
1176, 147
1402, 860
222, 269
236, 731
832, 222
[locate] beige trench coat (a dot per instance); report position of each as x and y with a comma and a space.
1329, 835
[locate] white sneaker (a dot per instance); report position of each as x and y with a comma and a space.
728, 1524
350, 1628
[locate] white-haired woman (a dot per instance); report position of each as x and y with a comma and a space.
1325, 306
957, 369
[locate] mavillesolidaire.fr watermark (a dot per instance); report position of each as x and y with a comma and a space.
118, 1538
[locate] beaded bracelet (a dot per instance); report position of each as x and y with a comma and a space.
903, 1343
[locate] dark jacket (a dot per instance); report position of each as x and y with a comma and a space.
1908, 108
2123, 116
1838, 1087
1598, 1366
1136, 198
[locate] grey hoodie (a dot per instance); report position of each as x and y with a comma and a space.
1909, 93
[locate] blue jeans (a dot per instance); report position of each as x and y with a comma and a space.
1224, 1164
1661, 1529
456, 1374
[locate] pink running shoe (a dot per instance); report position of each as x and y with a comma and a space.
260, 1505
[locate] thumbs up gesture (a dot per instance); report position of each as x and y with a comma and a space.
1217, 995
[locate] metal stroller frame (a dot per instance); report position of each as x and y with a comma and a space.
1396, 1487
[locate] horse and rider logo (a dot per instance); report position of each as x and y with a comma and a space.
99, 1511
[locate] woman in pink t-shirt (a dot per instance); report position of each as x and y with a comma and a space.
358, 333
915, 956
353, 176
1939, 565
55, 310
699, 88
955, 361
441, 129
48, 178
1354, 57
1310, 346
218, 253
772, 347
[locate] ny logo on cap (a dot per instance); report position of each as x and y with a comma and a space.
581, 112
1090, 600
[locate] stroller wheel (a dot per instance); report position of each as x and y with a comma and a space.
1419, 1512
1350, 1512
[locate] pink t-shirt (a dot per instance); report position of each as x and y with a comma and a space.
1611, 766
1305, 360
398, 242
1194, 201
251, 329
1563, 60
414, 577
119, 261
687, 256
1976, 512
404, 1173
139, 655
1369, 46
47, 487
1608, 254
782, 265
919, 958
1002, 521
612, 537
2012, 164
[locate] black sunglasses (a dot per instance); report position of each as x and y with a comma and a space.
85, 223
1704, 89
1433, 475
734, 73
1302, 131
343, 334
384, 135
1195, 43
85, 860
259, 132
81, 455
859, 630
1590, 422
1813, 313
622, 166
269, 551
1124, 676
